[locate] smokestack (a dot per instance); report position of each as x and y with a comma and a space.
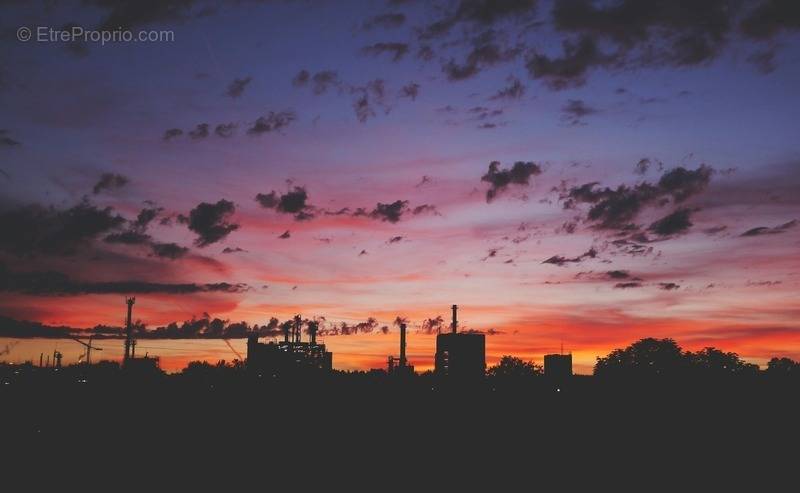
298, 324
128, 329
454, 326
313, 325
402, 345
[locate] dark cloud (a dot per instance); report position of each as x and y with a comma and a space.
395, 239
763, 60
237, 87
391, 212
770, 17
425, 53
432, 325
211, 222
560, 260
425, 209
320, 81
199, 132
715, 229
663, 32
668, 286
617, 208
172, 133
763, 283
764, 230
286, 235
127, 14
109, 181
492, 253
388, 20
146, 216
672, 224
644, 164
33, 229
682, 183
483, 113
571, 69
627, 285
268, 200
514, 90
272, 122
575, 110
499, 179
5, 140
225, 130
295, 201
479, 14
631, 247
168, 250
486, 52
128, 238
618, 274
233, 250
396, 50
373, 93
301, 79
58, 284
369, 326
410, 90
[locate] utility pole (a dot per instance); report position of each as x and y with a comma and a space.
89, 348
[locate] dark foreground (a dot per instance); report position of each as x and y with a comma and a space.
419, 424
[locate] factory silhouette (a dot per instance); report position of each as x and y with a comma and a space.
460, 356
287, 392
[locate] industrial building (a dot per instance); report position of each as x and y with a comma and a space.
290, 356
130, 363
558, 366
460, 355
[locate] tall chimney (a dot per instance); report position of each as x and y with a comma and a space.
298, 325
286, 327
313, 325
128, 329
402, 345
454, 326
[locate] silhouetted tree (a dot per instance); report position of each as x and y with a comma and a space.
716, 363
783, 367
644, 358
511, 367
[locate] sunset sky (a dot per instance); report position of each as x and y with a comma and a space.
335, 159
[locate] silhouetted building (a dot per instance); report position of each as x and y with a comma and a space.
460, 355
291, 355
148, 365
558, 365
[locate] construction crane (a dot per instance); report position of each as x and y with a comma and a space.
89, 348
237, 353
